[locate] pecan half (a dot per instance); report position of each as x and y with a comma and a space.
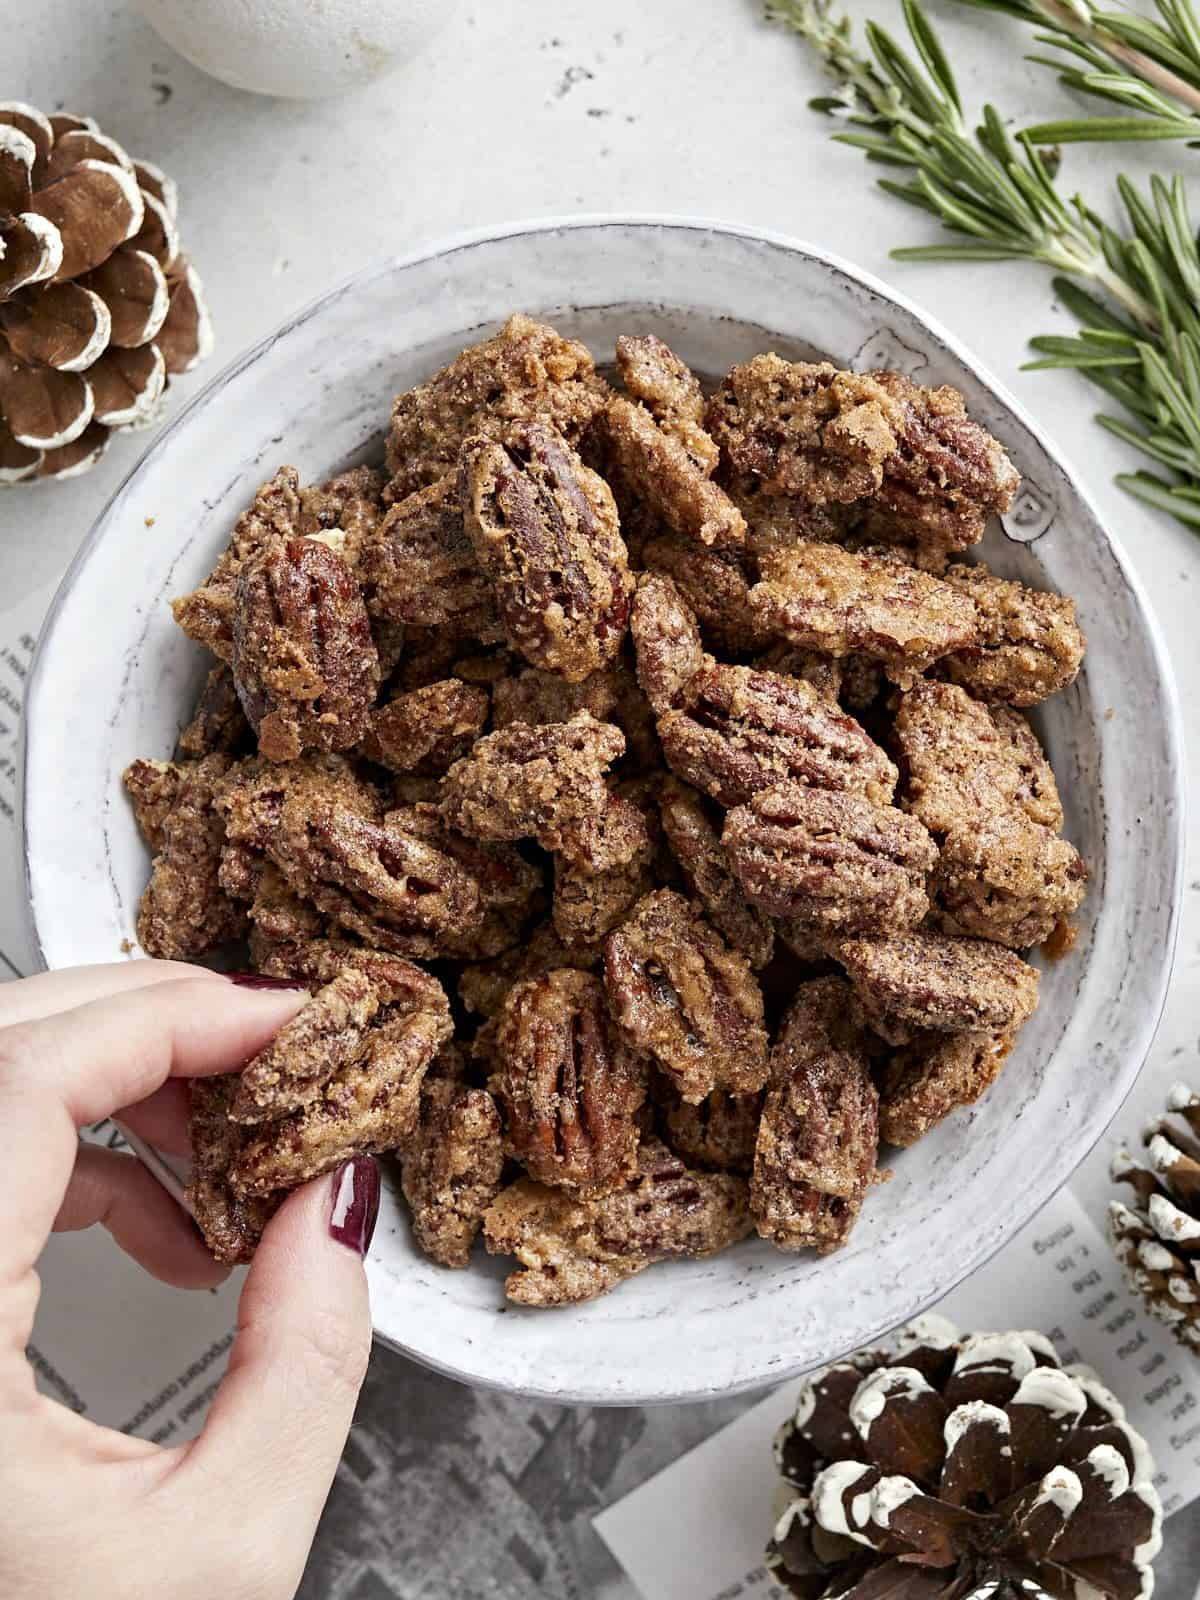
843, 602
573, 1249
667, 642
818, 1139
545, 783
153, 788
306, 1051
660, 469
920, 980
719, 1133
451, 1166
344, 511
925, 1081
589, 902
692, 832
1028, 645
525, 371
1008, 879
317, 962
670, 391
544, 528
716, 585
833, 862
746, 730
418, 567
426, 730
232, 1224
680, 994
567, 1083
303, 659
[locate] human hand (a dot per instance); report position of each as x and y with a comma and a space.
88, 1512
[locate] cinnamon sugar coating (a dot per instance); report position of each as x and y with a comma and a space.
184, 911
428, 729
345, 510
818, 1139
670, 391
534, 695
681, 995
153, 789
922, 1083
451, 1166
588, 903
661, 469
666, 641
483, 985
719, 1133
1028, 645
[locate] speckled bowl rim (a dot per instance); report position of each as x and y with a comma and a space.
1032, 1202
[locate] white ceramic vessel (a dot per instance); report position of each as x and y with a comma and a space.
114, 679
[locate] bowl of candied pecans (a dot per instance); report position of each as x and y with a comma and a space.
658, 733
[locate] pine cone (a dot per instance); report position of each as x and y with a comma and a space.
97, 305
1157, 1241
959, 1467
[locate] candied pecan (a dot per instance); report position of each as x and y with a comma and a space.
304, 661
922, 1083
823, 672
451, 1166
692, 832
832, 862
544, 528
947, 474
153, 788
1028, 646
589, 902
343, 511
667, 642
778, 521
920, 980
482, 986
746, 730
805, 428
818, 1139
716, 585
231, 1223
719, 1133
426, 730
315, 1044
1008, 879
544, 783
679, 993
253, 795
206, 615
184, 912
567, 1083
277, 913
670, 390
218, 723
418, 567
840, 602
659, 467
368, 1106
317, 962
965, 763
536, 696
526, 371
573, 1249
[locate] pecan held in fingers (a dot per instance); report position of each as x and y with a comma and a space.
544, 529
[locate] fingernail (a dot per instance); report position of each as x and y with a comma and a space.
259, 980
355, 1203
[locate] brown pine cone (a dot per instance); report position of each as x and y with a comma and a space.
960, 1467
1157, 1240
98, 308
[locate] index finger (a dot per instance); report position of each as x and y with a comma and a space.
47, 992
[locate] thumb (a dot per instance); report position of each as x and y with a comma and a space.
271, 1444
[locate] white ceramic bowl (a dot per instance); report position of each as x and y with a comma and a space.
114, 678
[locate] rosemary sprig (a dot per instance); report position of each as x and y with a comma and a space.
1151, 68
996, 196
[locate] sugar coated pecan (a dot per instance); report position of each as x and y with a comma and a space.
818, 1139
573, 1249
834, 862
1028, 644
525, 371
921, 980
317, 962
716, 586
218, 723
304, 660
777, 521
544, 528
567, 1083
153, 788
451, 1166
277, 913
719, 1133
539, 782
843, 602
232, 1223
1008, 879
746, 730
680, 994
692, 831
306, 1051
426, 730
670, 390
344, 511
660, 467
922, 1083
483, 985
805, 429
667, 642
588, 901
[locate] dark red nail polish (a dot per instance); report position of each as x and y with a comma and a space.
355, 1203
259, 980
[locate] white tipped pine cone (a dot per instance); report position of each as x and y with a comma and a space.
1157, 1239
963, 1467
98, 308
